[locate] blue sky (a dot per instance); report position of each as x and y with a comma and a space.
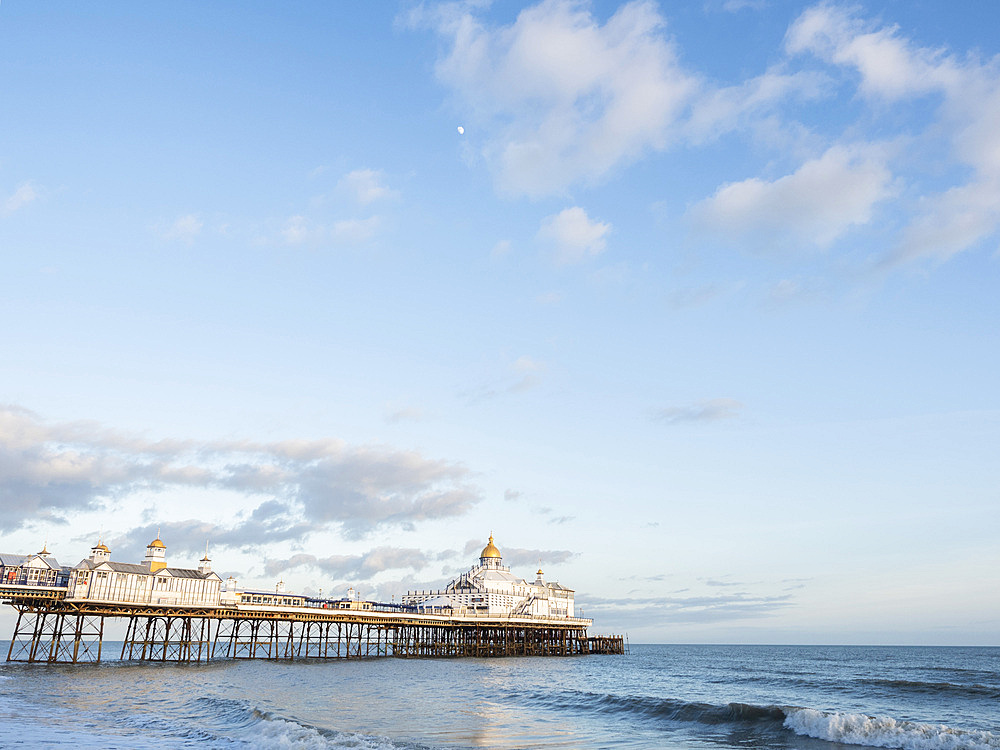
698, 311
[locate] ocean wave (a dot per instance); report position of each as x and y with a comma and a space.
240, 724
843, 728
884, 731
276, 733
669, 709
914, 686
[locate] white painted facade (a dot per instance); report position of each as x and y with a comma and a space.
151, 582
490, 588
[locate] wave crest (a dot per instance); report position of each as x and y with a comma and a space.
884, 731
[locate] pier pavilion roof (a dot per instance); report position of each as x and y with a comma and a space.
139, 569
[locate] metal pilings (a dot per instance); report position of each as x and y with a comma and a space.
41, 635
48, 632
167, 638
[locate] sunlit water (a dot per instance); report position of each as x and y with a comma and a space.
812, 698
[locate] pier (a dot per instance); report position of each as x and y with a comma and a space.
185, 615
50, 629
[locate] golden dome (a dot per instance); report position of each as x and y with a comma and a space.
102, 547
157, 543
490, 549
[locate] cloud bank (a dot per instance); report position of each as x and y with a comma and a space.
49, 471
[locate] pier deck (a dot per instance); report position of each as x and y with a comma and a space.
51, 628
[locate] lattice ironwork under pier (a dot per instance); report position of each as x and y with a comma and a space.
56, 637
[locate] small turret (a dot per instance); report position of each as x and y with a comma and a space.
99, 553
156, 555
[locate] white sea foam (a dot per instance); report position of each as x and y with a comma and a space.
884, 731
281, 734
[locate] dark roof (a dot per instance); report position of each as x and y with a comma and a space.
12, 560
139, 569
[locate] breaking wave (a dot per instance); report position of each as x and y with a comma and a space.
843, 728
884, 731
238, 724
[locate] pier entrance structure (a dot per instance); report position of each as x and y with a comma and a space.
184, 615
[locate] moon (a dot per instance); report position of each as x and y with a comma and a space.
461, 130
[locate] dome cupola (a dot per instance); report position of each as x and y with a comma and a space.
490, 555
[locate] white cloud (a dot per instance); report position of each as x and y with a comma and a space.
365, 186
52, 471
573, 235
892, 68
703, 411
813, 206
724, 109
300, 230
566, 98
296, 231
404, 414
501, 249
355, 231
184, 228
24, 194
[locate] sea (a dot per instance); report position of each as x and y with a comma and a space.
656, 696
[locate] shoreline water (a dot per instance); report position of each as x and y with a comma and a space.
804, 698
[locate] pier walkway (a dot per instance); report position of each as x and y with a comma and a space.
53, 628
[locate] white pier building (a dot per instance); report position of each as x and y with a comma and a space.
98, 579
491, 589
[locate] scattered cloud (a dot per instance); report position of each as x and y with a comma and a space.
560, 520
296, 231
527, 370
693, 609
521, 375
184, 229
734, 6
24, 194
365, 186
364, 565
892, 70
355, 231
717, 111
573, 235
698, 296
301, 230
703, 411
562, 97
809, 208
49, 471
530, 557
501, 249
404, 414
515, 557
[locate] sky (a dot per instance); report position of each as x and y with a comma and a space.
692, 305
